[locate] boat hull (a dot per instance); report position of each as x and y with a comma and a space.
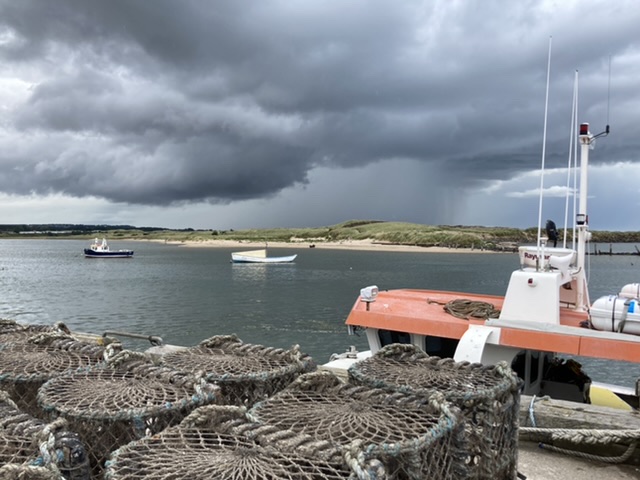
239, 258
88, 253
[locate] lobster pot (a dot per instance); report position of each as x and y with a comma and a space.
12, 331
29, 361
123, 400
245, 373
487, 396
220, 442
413, 437
31, 448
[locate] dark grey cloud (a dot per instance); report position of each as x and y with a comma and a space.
164, 102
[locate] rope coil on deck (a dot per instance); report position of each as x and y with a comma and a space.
463, 308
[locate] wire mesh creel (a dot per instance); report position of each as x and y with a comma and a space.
487, 396
12, 331
221, 442
31, 448
28, 361
245, 373
27, 472
414, 437
125, 399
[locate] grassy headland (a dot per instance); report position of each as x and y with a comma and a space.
378, 232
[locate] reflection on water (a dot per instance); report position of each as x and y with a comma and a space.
186, 294
249, 273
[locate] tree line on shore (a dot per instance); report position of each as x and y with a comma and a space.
399, 233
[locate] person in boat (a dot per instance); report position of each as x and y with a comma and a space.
552, 232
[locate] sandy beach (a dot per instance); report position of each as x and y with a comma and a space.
341, 245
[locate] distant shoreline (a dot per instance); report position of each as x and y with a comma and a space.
363, 245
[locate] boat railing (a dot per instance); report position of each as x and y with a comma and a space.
541, 257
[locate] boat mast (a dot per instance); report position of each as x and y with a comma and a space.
587, 142
582, 220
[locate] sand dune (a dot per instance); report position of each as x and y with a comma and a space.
342, 245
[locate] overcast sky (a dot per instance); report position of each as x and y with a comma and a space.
301, 113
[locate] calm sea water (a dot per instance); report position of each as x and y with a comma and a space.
186, 295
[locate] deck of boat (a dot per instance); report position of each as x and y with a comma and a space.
421, 312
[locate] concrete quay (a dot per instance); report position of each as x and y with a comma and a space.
536, 463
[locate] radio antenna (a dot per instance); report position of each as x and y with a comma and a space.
606, 130
609, 92
544, 144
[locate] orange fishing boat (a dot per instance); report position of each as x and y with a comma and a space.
545, 313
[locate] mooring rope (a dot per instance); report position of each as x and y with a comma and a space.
619, 459
587, 437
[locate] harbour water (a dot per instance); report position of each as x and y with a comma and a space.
186, 295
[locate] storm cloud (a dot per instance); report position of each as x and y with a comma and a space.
165, 104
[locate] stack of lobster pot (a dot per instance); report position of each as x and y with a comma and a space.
488, 398
122, 400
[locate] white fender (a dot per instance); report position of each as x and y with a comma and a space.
481, 344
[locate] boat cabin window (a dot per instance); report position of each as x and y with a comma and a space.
440, 346
387, 337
